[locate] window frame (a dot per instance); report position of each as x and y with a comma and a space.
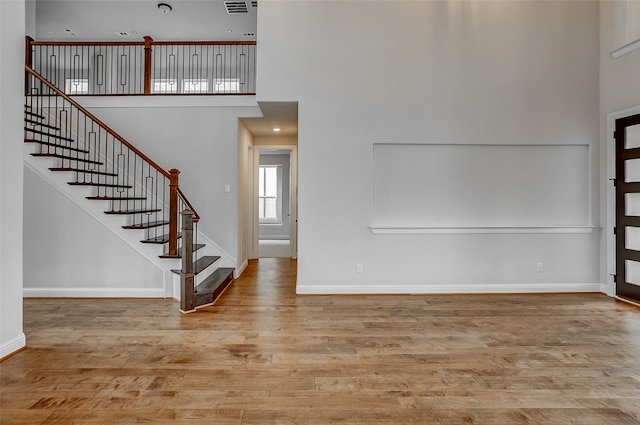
261, 199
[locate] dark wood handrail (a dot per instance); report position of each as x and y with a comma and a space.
204, 43
97, 121
87, 43
196, 216
142, 43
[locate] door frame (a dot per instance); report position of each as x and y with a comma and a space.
609, 286
253, 234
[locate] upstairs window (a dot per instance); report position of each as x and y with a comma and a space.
228, 85
195, 86
76, 86
164, 85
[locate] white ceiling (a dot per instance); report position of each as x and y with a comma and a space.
103, 20
284, 115
199, 20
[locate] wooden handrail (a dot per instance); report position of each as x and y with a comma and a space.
87, 43
97, 121
204, 43
196, 216
142, 43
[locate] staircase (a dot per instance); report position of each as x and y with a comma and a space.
134, 187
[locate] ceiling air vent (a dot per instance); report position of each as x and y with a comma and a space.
236, 7
254, 3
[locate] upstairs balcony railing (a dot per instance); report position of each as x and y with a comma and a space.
146, 67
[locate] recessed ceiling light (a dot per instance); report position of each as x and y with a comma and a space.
164, 7
277, 129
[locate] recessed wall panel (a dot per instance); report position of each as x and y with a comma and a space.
438, 185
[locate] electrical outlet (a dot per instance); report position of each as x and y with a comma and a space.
540, 267
359, 268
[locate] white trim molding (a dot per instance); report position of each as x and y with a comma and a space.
462, 288
627, 48
482, 230
12, 346
94, 292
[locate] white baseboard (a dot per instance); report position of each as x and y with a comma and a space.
12, 345
507, 288
93, 292
241, 267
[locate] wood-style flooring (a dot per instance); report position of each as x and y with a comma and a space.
263, 355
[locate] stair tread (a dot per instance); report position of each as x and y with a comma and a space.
56, 145
41, 124
125, 186
214, 280
81, 170
55, 155
200, 264
116, 198
33, 114
133, 211
44, 133
160, 239
146, 225
213, 286
179, 254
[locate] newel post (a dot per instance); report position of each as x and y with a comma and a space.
148, 41
28, 58
173, 211
187, 287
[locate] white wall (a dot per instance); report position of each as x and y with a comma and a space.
429, 72
77, 255
619, 91
12, 31
245, 191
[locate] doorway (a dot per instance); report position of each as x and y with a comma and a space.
627, 206
274, 203
274, 220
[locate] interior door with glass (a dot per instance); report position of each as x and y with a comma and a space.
627, 230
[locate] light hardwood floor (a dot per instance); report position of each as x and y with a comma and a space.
263, 355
